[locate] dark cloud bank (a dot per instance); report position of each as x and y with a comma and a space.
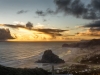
5, 34
79, 9
93, 29
94, 26
76, 8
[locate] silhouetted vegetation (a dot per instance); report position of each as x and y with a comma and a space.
38, 71
19, 71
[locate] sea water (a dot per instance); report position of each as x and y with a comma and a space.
24, 54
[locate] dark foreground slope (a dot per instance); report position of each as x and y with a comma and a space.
18, 71
38, 71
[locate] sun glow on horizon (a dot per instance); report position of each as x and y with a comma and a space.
30, 35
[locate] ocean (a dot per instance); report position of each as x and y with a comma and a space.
24, 54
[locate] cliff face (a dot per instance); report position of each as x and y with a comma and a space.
49, 57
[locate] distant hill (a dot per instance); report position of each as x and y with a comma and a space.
84, 44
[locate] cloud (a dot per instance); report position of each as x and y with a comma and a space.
29, 25
40, 13
40, 28
93, 24
50, 11
93, 29
77, 8
46, 12
22, 11
18, 22
5, 34
96, 4
14, 26
91, 15
88, 33
52, 32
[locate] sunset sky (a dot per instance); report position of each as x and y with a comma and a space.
53, 20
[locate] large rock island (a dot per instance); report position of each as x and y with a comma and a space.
50, 57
